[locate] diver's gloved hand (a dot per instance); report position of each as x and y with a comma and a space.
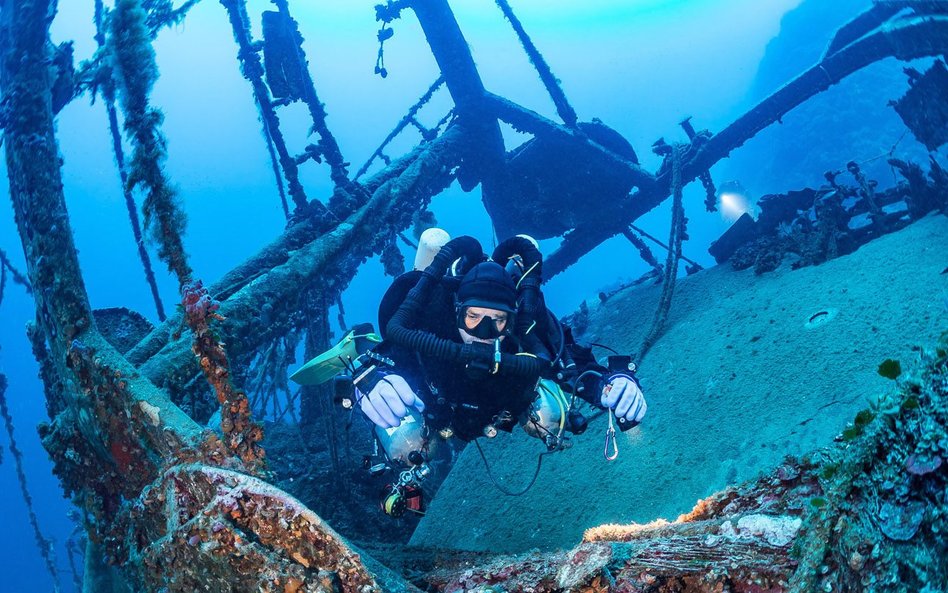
623, 394
389, 401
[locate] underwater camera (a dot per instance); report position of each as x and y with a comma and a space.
403, 449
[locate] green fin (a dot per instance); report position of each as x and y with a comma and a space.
333, 361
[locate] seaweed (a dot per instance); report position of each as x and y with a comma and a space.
890, 369
133, 63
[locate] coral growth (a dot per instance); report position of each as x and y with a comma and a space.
241, 435
194, 526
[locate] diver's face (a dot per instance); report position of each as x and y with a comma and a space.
473, 316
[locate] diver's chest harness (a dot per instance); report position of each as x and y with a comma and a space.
473, 401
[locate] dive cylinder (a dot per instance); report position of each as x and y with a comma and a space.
429, 244
547, 415
408, 437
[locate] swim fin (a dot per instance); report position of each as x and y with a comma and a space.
334, 361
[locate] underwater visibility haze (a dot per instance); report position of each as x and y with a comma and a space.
474, 295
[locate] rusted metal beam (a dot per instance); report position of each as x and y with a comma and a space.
526, 120
261, 307
484, 160
253, 71
302, 231
563, 108
904, 39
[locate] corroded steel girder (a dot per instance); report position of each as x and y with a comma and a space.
132, 460
907, 38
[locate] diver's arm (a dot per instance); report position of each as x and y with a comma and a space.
614, 387
390, 385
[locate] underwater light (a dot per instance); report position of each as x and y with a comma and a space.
733, 205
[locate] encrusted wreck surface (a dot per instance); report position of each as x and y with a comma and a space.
869, 513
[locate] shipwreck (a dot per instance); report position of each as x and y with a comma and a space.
171, 505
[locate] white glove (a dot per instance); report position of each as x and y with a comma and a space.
624, 396
389, 401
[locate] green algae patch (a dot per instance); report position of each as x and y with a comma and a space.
890, 369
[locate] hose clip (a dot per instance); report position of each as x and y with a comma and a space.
611, 440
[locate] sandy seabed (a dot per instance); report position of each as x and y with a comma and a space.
750, 369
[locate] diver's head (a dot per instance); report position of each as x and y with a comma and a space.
486, 303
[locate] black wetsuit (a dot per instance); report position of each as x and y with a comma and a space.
467, 399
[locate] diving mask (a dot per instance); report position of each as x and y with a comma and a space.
483, 326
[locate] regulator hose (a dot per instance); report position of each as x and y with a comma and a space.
528, 287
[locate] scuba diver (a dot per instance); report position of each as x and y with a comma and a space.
468, 348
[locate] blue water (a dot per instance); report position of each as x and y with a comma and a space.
640, 66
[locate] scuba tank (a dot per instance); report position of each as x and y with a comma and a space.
406, 448
403, 442
429, 244
403, 449
546, 417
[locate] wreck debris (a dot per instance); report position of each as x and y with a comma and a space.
409, 119
867, 190
632, 234
197, 524
742, 231
253, 71
241, 434
162, 13
921, 196
266, 379
281, 60
812, 226
287, 80
696, 138
121, 327
924, 108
